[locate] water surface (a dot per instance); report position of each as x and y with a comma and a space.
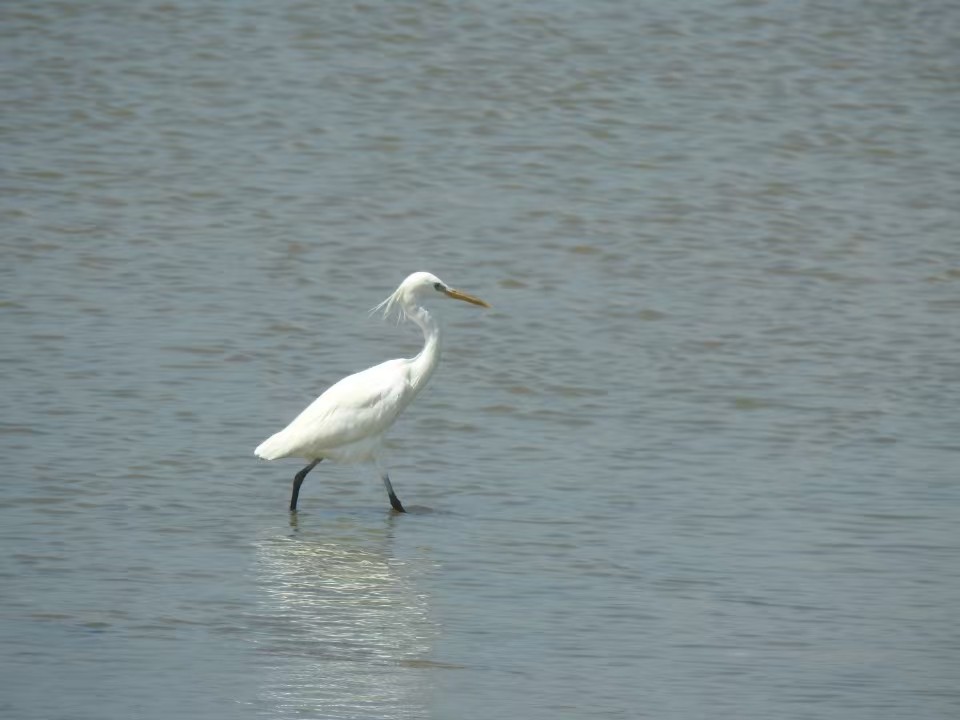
699, 460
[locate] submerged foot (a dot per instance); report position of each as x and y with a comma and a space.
394, 500
395, 503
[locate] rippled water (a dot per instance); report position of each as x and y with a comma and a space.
700, 460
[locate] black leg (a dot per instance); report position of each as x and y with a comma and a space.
298, 481
394, 500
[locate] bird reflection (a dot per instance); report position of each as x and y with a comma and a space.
343, 629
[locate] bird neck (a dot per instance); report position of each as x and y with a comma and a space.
423, 365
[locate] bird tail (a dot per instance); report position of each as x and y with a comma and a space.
273, 448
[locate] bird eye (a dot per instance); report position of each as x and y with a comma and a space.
438, 287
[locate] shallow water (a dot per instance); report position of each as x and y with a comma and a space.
699, 460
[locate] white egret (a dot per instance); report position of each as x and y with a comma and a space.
347, 423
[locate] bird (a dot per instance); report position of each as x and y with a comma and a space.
348, 422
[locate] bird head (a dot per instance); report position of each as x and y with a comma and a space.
418, 287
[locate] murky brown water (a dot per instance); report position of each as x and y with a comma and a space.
700, 460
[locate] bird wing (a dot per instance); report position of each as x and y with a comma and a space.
360, 406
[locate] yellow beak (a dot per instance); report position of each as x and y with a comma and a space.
457, 295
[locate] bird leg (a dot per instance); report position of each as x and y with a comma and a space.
394, 500
298, 481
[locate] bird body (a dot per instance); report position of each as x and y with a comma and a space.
347, 423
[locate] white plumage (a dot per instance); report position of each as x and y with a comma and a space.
347, 423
